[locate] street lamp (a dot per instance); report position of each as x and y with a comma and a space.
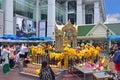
107, 44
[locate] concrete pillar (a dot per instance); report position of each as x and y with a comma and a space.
96, 12
66, 11
9, 29
1, 22
83, 10
79, 12
37, 16
91, 42
51, 18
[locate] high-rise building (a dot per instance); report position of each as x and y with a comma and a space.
42, 15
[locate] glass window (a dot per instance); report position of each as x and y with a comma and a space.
43, 9
60, 12
25, 8
1, 4
43, 16
71, 5
72, 17
88, 18
89, 10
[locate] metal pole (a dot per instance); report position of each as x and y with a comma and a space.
107, 45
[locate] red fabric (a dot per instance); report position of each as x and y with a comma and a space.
117, 67
47, 47
12, 56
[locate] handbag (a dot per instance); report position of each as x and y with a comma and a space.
6, 68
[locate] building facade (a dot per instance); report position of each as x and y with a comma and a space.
41, 15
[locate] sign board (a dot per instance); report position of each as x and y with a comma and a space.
42, 29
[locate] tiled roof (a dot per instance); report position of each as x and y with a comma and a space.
84, 29
115, 27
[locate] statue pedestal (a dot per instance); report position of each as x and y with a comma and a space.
66, 71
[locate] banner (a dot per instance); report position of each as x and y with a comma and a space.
25, 27
42, 29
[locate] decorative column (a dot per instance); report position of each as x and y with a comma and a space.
66, 62
74, 41
37, 16
51, 18
79, 12
56, 42
96, 12
9, 29
61, 43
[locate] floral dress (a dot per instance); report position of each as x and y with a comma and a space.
46, 74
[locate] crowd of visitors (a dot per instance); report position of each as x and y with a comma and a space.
11, 54
115, 57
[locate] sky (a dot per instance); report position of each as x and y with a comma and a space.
112, 8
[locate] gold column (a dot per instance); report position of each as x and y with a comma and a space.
74, 42
65, 62
56, 43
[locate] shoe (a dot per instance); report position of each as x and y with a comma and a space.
1, 65
11, 68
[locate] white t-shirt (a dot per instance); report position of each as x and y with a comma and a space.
23, 49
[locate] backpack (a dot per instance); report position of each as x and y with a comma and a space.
47, 74
116, 58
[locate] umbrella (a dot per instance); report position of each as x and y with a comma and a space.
23, 38
34, 38
48, 39
42, 38
1, 37
10, 36
113, 37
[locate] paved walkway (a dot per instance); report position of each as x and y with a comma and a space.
14, 75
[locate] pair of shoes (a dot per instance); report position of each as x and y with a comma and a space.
7, 73
15, 66
11, 69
